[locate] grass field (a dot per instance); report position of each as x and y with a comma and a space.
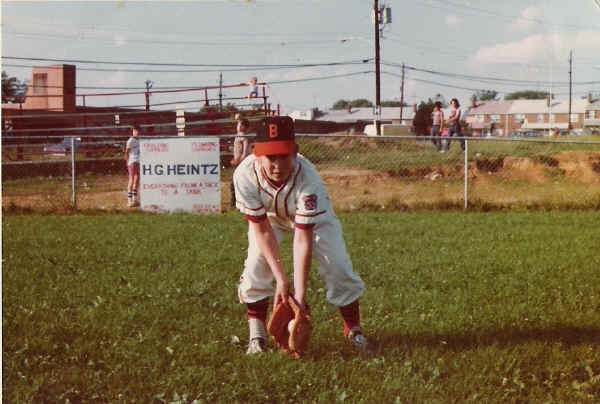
494, 307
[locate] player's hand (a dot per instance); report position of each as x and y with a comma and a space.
301, 300
282, 291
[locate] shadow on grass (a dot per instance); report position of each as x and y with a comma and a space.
505, 337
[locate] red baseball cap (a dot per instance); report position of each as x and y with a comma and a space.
275, 136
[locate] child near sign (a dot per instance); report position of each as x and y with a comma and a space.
132, 159
278, 191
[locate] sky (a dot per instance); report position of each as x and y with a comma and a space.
311, 53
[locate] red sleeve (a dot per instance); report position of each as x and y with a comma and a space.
303, 226
255, 219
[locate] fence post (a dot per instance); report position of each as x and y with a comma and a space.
466, 173
73, 193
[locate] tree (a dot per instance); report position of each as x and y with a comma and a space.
396, 104
485, 95
527, 95
422, 119
358, 103
13, 90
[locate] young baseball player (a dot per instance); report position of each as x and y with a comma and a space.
132, 159
278, 191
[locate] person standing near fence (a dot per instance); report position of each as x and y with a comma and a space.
132, 159
437, 117
241, 149
453, 123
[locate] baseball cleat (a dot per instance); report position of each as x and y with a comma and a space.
256, 345
357, 338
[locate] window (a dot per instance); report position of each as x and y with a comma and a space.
519, 117
479, 118
589, 114
494, 118
574, 118
540, 118
40, 83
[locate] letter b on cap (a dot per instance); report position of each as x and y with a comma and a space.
273, 131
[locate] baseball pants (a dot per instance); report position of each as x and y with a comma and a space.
343, 285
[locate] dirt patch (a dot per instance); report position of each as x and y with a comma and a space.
347, 185
523, 169
580, 166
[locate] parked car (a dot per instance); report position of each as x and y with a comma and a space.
90, 148
525, 133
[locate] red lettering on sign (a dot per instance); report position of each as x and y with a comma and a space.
156, 147
204, 146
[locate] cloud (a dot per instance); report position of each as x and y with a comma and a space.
452, 20
538, 49
119, 40
529, 17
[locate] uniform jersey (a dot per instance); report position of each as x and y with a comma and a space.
302, 200
133, 145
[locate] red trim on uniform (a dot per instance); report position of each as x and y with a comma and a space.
303, 226
256, 219
287, 213
351, 316
312, 215
256, 177
277, 147
258, 309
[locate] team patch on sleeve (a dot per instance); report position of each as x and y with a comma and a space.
310, 202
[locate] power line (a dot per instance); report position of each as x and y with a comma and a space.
104, 62
487, 79
282, 42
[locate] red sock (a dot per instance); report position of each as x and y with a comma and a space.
258, 309
351, 316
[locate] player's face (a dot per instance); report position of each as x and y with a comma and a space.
278, 167
135, 132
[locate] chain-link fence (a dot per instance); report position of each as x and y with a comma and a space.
408, 172
361, 173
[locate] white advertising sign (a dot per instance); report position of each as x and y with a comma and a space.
180, 174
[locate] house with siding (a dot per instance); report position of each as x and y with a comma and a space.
591, 118
500, 118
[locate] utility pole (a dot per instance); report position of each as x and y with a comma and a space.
220, 92
570, 86
402, 95
377, 71
148, 87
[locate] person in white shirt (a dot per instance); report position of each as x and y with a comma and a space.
241, 149
437, 119
453, 123
279, 191
132, 159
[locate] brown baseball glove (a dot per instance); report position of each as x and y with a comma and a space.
294, 340
278, 325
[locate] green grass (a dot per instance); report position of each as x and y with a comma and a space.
495, 307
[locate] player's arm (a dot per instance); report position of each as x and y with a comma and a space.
269, 248
302, 246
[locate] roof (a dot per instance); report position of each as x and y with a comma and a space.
367, 114
541, 107
491, 107
593, 106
